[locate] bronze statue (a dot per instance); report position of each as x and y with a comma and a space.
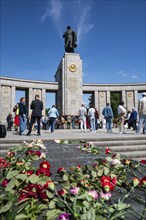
70, 39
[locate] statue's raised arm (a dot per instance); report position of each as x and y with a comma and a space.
70, 39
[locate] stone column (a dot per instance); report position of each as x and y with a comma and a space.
96, 99
102, 102
13, 97
44, 101
130, 100
108, 96
30, 98
5, 102
124, 97
136, 99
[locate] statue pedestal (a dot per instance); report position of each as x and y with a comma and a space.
69, 78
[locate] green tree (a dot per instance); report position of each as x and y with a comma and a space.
115, 99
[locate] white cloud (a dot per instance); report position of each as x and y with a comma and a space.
122, 73
134, 76
56, 9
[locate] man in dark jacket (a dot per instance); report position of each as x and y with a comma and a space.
37, 107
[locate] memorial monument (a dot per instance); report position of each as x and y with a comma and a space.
69, 77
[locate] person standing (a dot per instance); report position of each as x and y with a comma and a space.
122, 114
82, 117
108, 115
22, 115
91, 114
133, 118
53, 115
96, 119
36, 107
9, 120
142, 113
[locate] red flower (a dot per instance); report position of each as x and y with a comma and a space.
49, 185
60, 169
136, 181
45, 164
30, 152
38, 153
43, 196
22, 196
143, 161
5, 183
3, 163
43, 171
61, 192
108, 151
108, 184
78, 167
39, 188
143, 181
10, 154
29, 172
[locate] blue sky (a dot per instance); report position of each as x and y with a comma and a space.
111, 38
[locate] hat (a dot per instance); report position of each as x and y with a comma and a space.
144, 93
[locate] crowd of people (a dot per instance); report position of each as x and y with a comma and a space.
86, 118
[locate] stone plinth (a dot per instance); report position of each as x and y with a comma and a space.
69, 77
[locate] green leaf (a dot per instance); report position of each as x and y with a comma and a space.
60, 204
52, 204
42, 206
13, 182
12, 174
94, 174
106, 171
86, 204
66, 185
6, 207
49, 194
65, 177
21, 176
21, 216
100, 172
33, 178
43, 180
53, 214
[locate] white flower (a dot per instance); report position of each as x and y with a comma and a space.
39, 141
57, 141
105, 196
116, 161
42, 146
42, 155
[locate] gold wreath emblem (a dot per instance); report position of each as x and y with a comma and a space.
72, 68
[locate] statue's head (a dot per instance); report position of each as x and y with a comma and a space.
68, 27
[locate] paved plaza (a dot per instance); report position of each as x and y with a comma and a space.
70, 134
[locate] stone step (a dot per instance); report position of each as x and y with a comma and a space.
129, 148
119, 143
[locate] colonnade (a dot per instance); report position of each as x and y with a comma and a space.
100, 92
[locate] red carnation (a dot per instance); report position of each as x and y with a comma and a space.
43, 196
30, 152
143, 161
22, 196
108, 151
5, 183
44, 171
60, 169
29, 172
38, 153
45, 164
61, 192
